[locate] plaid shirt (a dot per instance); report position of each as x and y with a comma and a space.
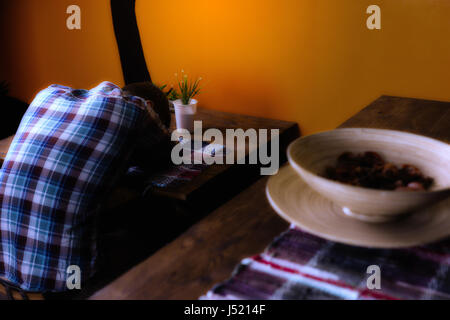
66, 155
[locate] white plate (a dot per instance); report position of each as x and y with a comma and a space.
297, 203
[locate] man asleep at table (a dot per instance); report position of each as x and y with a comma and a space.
69, 152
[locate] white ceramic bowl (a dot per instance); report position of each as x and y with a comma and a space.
310, 155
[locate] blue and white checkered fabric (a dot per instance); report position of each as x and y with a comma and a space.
66, 154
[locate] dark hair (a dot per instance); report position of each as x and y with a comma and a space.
149, 91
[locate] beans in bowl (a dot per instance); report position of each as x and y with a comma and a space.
370, 170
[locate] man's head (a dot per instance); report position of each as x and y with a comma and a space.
152, 93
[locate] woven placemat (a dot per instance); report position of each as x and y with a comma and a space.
298, 265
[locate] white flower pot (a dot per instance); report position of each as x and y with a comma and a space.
184, 114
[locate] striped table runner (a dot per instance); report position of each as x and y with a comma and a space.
298, 265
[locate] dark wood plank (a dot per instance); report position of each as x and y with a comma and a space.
208, 252
203, 255
425, 117
4, 147
222, 121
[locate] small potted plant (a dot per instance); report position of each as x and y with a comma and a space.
186, 106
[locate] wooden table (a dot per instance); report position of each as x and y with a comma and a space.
217, 174
150, 222
207, 253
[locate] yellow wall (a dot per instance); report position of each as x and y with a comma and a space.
311, 61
